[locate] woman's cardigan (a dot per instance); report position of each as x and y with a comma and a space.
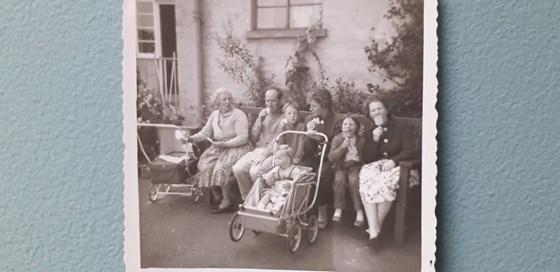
232, 128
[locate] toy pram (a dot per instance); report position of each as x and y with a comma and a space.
294, 215
173, 173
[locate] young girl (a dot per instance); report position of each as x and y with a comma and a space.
279, 180
291, 122
294, 141
347, 159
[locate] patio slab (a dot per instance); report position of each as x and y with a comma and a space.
177, 233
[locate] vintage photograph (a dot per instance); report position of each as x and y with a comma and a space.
280, 134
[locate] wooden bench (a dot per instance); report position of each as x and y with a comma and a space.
406, 166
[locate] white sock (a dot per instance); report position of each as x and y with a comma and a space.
337, 212
360, 216
373, 234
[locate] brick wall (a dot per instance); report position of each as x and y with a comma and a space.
214, 14
186, 53
348, 25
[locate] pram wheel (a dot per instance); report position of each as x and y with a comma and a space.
236, 228
154, 190
294, 237
312, 228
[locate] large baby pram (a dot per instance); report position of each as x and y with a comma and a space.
295, 214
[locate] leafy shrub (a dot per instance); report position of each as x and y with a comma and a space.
151, 109
347, 99
400, 61
300, 81
240, 65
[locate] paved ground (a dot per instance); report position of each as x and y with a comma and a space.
177, 233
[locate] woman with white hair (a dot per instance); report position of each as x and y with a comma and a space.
227, 129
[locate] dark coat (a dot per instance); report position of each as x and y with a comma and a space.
396, 143
338, 153
330, 127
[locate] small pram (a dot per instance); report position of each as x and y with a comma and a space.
174, 173
295, 214
174, 176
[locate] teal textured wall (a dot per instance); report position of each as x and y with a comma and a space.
499, 140
61, 162
60, 104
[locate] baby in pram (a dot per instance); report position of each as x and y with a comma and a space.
279, 181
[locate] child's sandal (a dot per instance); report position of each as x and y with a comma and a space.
336, 218
359, 223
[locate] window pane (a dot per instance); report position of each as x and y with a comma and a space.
299, 2
304, 16
144, 7
146, 47
146, 34
271, 18
261, 3
145, 20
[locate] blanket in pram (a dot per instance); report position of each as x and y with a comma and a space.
279, 195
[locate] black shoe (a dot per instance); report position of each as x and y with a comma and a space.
215, 201
226, 209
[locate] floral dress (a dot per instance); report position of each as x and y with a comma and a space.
380, 186
396, 144
216, 163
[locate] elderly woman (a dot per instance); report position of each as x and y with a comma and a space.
227, 130
387, 144
323, 119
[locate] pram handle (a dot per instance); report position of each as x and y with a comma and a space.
139, 125
301, 133
164, 126
323, 148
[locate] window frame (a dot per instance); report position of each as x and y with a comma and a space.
287, 32
157, 28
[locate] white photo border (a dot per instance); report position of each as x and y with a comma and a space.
429, 143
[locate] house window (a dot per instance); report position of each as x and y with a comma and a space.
285, 14
145, 27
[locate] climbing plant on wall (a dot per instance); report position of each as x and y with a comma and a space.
241, 66
299, 79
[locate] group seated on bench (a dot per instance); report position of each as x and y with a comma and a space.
383, 137
406, 166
